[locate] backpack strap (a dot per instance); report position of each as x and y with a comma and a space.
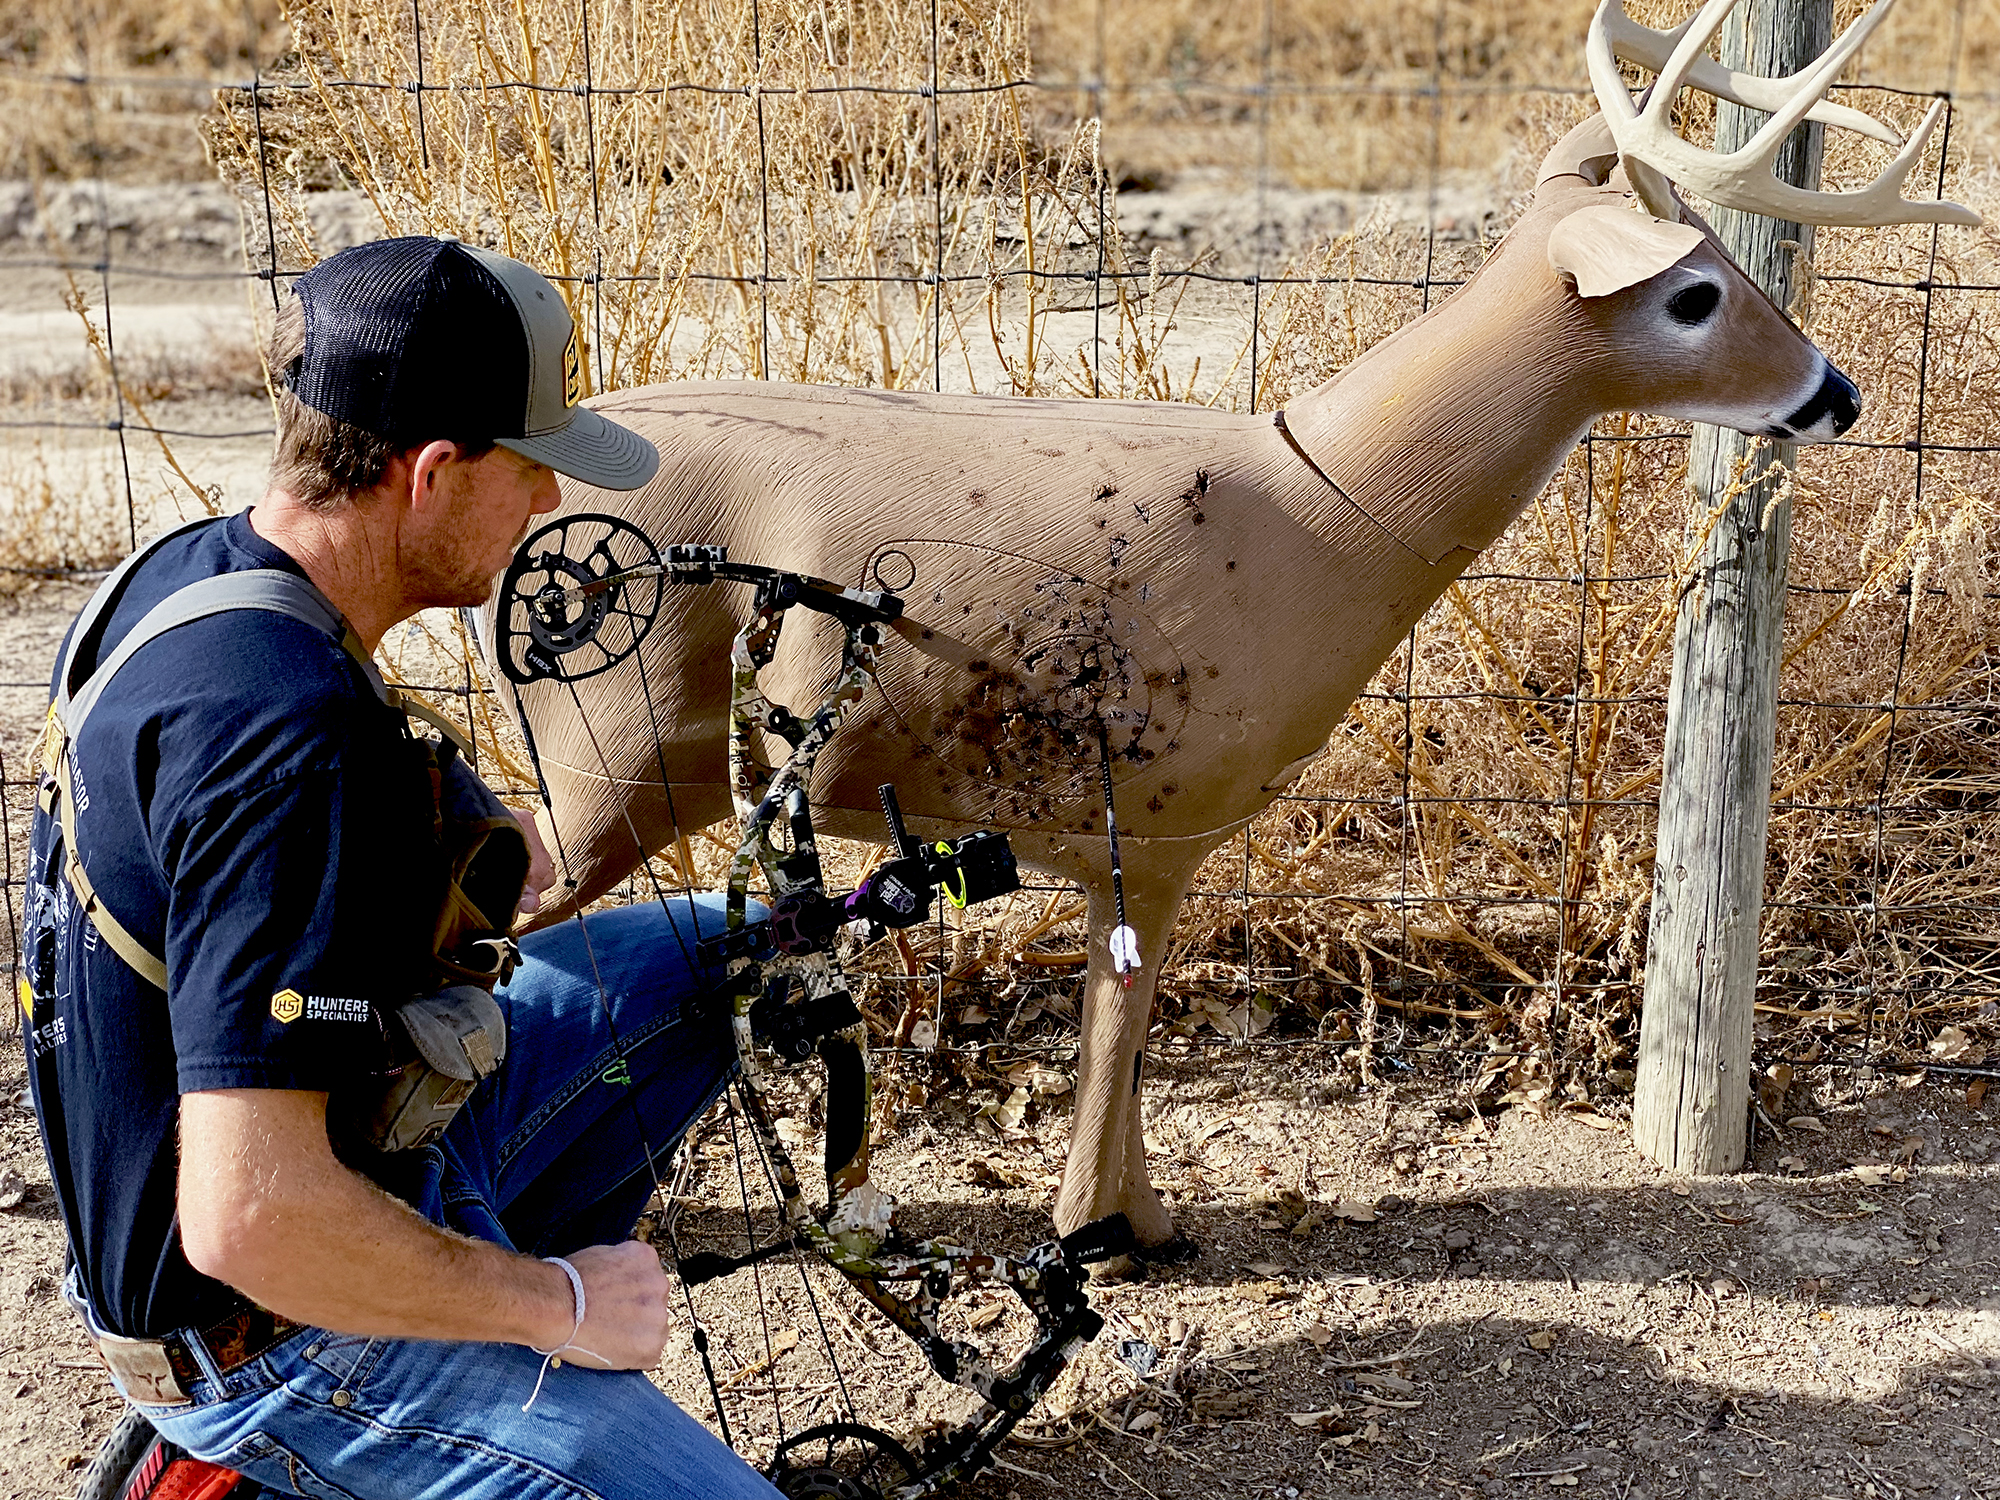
257, 588
83, 640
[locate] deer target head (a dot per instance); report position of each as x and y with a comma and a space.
1687, 334
1684, 332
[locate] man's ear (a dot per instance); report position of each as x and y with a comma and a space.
426, 464
1605, 249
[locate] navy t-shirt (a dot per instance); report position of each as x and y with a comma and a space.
248, 807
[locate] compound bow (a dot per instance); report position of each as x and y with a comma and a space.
580, 596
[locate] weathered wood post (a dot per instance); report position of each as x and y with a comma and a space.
1693, 1091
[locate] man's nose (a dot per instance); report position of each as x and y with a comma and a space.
548, 494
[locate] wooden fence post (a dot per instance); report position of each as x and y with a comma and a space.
1692, 1104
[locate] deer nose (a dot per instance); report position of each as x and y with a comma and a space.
1830, 411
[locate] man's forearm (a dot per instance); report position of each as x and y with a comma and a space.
266, 1207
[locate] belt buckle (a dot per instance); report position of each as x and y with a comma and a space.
141, 1370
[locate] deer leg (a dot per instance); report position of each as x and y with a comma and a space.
1106, 1171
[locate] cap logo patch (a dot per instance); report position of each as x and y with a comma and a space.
287, 1006
572, 371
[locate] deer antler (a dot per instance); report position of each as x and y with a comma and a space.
1655, 157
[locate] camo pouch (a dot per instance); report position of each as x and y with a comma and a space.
451, 1040
442, 1044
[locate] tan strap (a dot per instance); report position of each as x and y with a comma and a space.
416, 708
147, 964
401, 699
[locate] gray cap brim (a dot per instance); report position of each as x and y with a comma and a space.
592, 448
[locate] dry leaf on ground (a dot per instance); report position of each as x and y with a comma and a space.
1952, 1045
1264, 1291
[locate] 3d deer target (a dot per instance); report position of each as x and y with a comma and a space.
1211, 588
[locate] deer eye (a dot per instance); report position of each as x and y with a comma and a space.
1693, 304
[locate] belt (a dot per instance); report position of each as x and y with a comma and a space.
158, 1372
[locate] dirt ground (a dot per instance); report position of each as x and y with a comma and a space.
1395, 1296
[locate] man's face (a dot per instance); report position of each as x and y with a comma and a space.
454, 545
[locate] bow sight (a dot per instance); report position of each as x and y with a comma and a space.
976, 868
588, 587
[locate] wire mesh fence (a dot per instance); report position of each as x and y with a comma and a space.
1173, 202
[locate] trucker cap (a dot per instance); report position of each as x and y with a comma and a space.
425, 337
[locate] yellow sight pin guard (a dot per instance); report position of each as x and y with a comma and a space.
955, 897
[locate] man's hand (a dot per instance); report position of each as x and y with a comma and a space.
541, 869
628, 1308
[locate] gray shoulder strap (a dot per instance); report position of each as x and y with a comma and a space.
256, 588
96, 612
259, 588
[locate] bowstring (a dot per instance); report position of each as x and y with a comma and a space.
666, 1219
732, 1106
798, 1256
798, 1259
625, 813
698, 1334
756, 1273
683, 858
666, 783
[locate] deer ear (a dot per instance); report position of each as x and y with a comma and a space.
1605, 248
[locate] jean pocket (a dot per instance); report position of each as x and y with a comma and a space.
263, 1458
348, 1358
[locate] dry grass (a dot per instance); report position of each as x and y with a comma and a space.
151, 67
42, 529
1526, 857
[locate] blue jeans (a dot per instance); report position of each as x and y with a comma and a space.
546, 1157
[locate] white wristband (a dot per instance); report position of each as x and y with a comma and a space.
576, 1292
552, 1358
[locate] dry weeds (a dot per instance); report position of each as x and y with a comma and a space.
43, 532
1524, 723
113, 89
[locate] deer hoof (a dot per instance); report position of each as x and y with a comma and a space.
1178, 1251
1141, 1263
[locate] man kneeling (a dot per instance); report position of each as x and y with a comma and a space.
346, 1187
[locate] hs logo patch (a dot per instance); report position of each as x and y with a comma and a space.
288, 1005
572, 372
